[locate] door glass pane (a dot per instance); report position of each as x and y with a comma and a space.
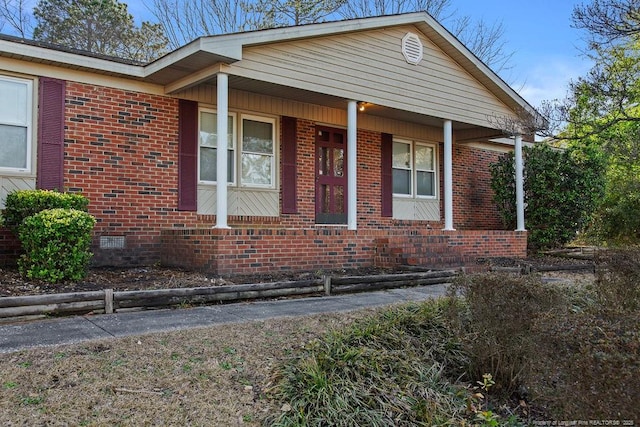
323, 161
338, 138
13, 147
325, 198
424, 158
256, 169
401, 181
323, 135
425, 184
401, 155
257, 137
338, 194
338, 162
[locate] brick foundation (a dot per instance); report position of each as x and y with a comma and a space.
254, 250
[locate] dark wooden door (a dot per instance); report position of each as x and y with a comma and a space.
331, 175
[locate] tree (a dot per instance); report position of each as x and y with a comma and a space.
13, 12
98, 26
562, 188
608, 20
186, 20
283, 13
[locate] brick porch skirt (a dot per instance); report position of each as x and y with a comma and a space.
257, 250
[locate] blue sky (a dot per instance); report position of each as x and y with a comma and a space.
547, 50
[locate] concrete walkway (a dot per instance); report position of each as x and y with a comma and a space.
68, 330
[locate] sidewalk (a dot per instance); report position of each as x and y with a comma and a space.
69, 330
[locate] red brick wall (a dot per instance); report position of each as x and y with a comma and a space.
121, 152
473, 208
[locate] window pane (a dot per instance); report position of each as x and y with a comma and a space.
13, 147
425, 184
256, 169
401, 155
208, 164
209, 167
401, 181
338, 162
13, 108
257, 137
323, 161
424, 158
209, 129
338, 195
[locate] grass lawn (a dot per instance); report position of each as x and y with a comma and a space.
210, 377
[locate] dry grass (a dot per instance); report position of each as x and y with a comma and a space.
210, 376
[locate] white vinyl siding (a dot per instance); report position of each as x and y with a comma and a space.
15, 124
369, 65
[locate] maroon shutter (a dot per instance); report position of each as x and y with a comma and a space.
51, 134
387, 174
187, 155
289, 165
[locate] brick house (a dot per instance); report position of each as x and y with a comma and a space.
348, 144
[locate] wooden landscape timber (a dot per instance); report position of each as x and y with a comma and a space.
109, 301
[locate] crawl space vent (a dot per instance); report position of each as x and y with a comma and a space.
412, 48
111, 242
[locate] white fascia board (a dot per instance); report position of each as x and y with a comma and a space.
276, 35
104, 66
227, 52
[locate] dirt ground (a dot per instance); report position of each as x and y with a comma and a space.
154, 277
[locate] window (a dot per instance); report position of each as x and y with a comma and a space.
253, 157
258, 160
414, 169
208, 131
15, 123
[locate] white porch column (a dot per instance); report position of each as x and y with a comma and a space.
352, 169
448, 176
519, 184
222, 147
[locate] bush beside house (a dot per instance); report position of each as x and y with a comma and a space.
55, 232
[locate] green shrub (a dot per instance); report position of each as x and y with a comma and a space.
391, 369
57, 245
561, 189
24, 203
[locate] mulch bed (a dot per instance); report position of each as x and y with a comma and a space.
146, 278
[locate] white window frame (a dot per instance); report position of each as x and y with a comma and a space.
28, 124
413, 192
272, 121
232, 145
236, 145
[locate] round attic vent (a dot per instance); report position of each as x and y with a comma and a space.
412, 48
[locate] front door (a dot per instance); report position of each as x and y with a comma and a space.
331, 176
